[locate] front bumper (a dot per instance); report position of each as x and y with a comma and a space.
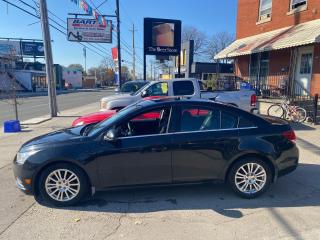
23, 177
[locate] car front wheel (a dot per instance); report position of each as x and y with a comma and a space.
63, 185
250, 177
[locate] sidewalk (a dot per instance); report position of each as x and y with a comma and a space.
11, 142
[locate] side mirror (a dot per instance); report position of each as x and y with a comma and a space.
144, 94
111, 136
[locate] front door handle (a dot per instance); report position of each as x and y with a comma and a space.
159, 149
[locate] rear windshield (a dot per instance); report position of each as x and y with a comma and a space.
181, 88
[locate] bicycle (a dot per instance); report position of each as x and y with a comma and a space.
286, 110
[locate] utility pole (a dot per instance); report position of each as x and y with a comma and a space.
119, 40
85, 60
133, 53
48, 58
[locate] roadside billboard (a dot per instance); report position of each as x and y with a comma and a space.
32, 49
9, 48
89, 30
162, 36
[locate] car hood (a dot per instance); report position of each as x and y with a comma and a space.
116, 97
54, 138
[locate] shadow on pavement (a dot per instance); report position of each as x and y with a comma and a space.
299, 189
302, 127
309, 146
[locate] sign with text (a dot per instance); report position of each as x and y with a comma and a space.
89, 30
162, 36
9, 48
35, 49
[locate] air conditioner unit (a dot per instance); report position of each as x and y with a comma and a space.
265, 16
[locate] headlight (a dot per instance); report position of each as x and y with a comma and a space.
23, 156
103, 105
80, 123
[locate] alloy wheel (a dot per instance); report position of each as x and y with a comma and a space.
62, 185
250, 178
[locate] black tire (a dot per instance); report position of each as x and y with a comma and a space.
276, 110
241, 163
83, 188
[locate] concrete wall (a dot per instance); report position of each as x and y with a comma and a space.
248, 14
72, 76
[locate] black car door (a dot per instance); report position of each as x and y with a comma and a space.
206, 138
141, 157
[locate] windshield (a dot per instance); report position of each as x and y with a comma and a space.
132, 86
110, 121
141, 90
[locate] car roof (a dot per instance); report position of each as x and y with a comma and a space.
179, 100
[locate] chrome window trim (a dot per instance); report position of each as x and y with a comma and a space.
198, 131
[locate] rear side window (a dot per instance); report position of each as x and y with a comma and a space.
228, 120
244, 123
183, 88
199, 119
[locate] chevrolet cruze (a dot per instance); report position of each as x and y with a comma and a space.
186, 141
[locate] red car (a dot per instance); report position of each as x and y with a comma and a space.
100, 116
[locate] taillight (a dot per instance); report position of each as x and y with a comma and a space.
253, 100
290, 135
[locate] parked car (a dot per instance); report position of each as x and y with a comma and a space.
131, 86
102, 115
186, 141
192, 88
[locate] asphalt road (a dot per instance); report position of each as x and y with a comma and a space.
32, 107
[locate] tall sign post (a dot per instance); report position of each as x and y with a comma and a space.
119, 42
48, 58
162, 37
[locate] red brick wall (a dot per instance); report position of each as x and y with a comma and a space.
315, 82
279, 61
248, 13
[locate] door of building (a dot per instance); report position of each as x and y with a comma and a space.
304, 70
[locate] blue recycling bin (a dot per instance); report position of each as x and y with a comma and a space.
11, 126
245, 86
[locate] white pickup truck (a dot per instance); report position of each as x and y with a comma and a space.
192, 88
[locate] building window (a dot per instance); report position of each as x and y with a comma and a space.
295, 4
306, 63
265, 9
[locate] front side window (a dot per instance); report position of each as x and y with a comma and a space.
158, 89
295, 4
265, 9
181, 88
151, 122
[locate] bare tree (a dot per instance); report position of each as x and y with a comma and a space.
217, 43
200, 39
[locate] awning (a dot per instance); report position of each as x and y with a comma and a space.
293, 36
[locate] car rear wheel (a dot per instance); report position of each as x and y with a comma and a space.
250, 177
63, 185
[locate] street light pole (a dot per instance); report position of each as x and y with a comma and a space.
119, 41
48, 58
133, 53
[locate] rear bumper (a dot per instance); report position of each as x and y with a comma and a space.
289, 162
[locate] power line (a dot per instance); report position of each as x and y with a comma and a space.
54, 27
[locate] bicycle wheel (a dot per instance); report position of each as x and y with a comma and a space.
276, 111
298, 115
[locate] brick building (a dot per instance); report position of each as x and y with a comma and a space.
278, 44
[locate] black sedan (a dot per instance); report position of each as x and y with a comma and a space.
181, 141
